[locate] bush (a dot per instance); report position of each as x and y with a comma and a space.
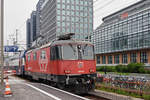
130, 68
101, 68
134, 67
107, 68
146, 97
110, 69
142, 70
121, 68
98, 69
147, 71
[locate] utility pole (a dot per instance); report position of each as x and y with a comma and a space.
16, 37
1, 37
7, 45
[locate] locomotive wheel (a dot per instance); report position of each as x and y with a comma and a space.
80, 89
53, 84
61, 86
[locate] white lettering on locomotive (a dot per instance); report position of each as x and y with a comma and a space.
43, 63
80, 64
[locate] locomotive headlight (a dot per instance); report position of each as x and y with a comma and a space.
67, 71
91, 70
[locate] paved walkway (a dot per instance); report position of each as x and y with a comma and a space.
24, 90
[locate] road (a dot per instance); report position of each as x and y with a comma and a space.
25, 90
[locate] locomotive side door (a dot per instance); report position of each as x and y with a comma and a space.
55, 56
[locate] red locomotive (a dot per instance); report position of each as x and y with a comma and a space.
65, 63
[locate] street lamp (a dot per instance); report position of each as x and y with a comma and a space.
1, 37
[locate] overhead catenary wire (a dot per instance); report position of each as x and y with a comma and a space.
94, 2
103, 6
116, 7
99, 14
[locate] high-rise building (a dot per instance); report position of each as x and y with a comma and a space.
124, 36
33, 26
28, 33
38, 17
66, 16
31, 30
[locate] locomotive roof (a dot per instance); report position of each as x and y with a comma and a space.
61, 42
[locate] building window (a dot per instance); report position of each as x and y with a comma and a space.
109, 59
103, 59
143, 57
63, 6
34, 56
81, 2
117, 59
58, 24
98, 60
63, 12
58, 18
63, 1
58, 6
58, 1
133, 58
58, 12
124, 58
68, 1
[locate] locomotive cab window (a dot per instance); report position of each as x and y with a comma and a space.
43, 54
35, 56
29, 57
80, 51
70, 52
85, 52
55, 53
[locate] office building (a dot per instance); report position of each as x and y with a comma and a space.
66, 16
38, 17
28, 34
124, 36
31, 30
33, 26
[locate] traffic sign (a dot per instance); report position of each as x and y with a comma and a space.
11, 48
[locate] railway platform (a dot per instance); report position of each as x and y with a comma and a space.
25, 90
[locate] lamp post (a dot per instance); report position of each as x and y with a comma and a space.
1, 38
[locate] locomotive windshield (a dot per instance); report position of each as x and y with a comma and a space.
74, 52
70, 52
85, 52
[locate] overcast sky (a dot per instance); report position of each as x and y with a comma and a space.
17, 12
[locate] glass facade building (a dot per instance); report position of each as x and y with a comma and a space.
33, 26
125, 35
38, 17
31, 29
28, 33
67, 16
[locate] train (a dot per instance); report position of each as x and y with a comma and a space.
16, 63
65, 63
